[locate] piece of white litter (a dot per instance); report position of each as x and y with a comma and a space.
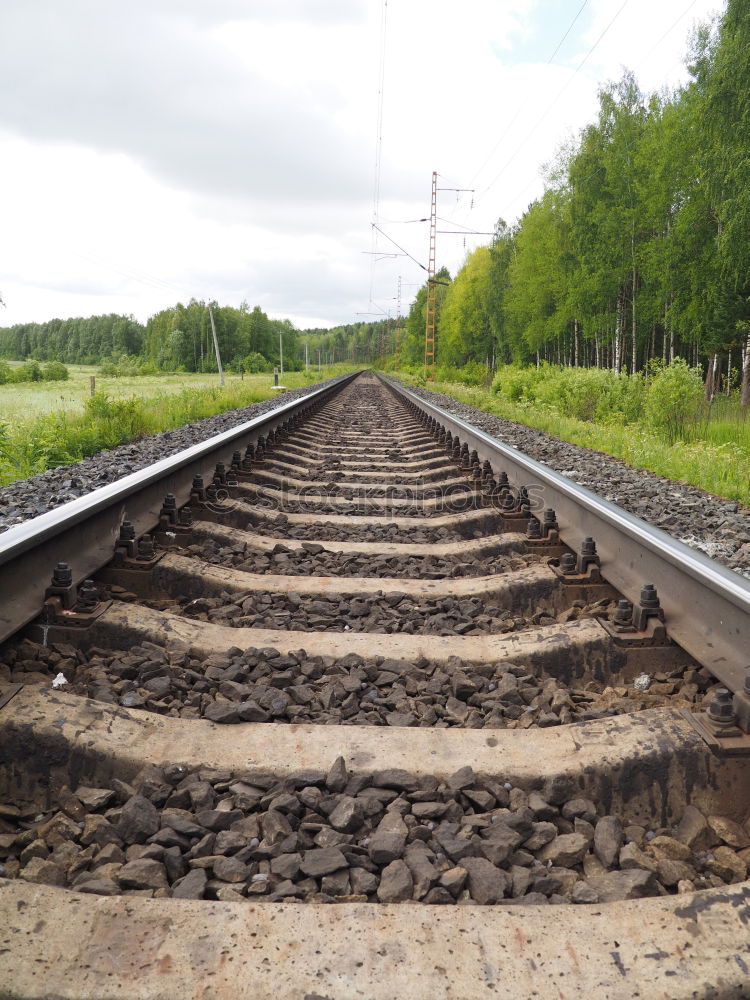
59, 681
642, 682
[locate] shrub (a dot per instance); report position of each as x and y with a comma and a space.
472, 373
115, 420
29, 372
55, 371
674, 400
517, 383
254, 363
6, 373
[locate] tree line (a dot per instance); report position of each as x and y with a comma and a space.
639, 246
180, 338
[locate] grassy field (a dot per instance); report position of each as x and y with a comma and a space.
24, 400
47, 424
716, 458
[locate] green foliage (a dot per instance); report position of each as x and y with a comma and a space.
55, 371
25, 455
125, 366
516, 382
718, 461
30, 372
73, 341
588, 394
472, 373
674, 400
114, 421
6, 373
254, 363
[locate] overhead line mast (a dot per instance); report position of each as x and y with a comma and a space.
432, 283
429, 332
398, 326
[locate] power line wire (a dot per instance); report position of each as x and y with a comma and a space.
523, 106
539, 121
628, 146
406, 252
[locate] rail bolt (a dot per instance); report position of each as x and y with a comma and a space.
623, 615
146, 549
568, 563
649, 606
127, 531
62, 575
533, 529
88, 596
549, 522
587, 555
721, 709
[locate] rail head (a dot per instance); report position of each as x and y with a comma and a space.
84, 531
707, 606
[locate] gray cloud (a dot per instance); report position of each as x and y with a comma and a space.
141, 79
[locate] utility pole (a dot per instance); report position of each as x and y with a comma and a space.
432, 283
398, 326
429, 331
216, 345
281, 355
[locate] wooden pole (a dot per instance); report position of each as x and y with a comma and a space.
216, 345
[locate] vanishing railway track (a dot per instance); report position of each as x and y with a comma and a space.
356, 652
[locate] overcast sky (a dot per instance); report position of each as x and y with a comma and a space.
154, 150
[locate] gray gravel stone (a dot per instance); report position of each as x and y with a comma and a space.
486, 883
322, 861
608, 839
139, 820
396, 884
144, 873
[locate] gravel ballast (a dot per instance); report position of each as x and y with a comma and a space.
279, 526
381, 837
392, 612
267, 685
314, 560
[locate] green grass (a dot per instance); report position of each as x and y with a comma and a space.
44, 425
716, 459
21, 400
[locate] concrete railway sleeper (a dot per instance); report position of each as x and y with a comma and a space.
352, 657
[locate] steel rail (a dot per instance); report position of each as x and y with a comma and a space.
84, 531
707, 606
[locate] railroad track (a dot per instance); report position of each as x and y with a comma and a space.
358, 653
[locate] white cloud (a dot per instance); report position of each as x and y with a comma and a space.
163, 148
